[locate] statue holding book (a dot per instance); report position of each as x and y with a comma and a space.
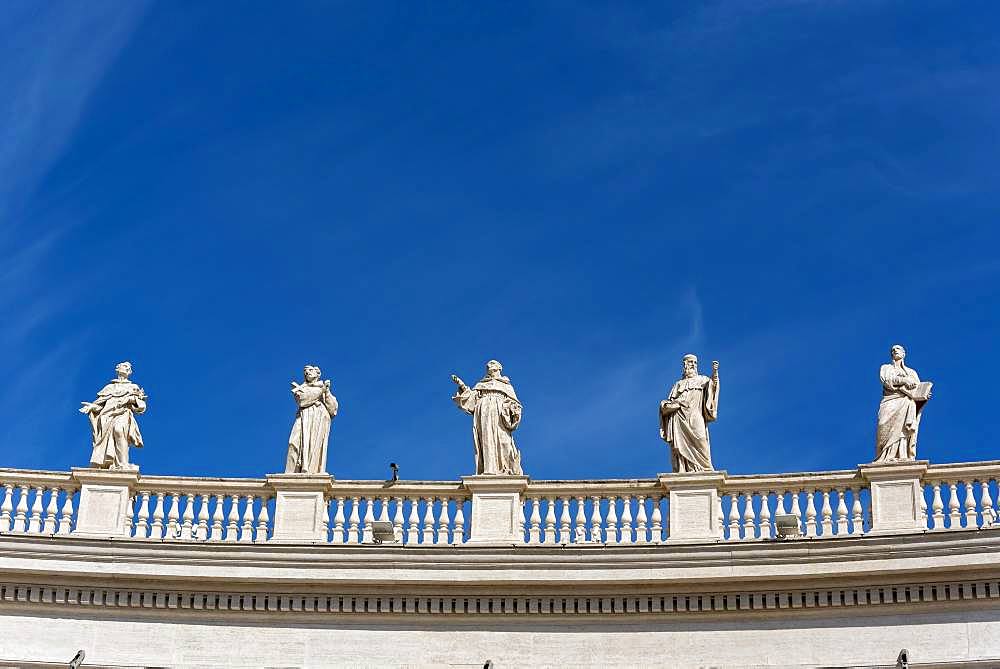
113, 427
903, 398
691, 404
307, 443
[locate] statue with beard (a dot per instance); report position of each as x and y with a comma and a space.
693, 403
496, 413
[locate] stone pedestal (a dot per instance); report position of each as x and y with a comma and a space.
496, 509
105, 501
694, 505
897, 495
300, 506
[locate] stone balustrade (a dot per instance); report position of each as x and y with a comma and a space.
711, 506
827, 504
36, 502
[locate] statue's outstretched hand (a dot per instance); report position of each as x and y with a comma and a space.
459, 382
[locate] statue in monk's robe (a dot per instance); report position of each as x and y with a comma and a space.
903, 398
113, 427
496, 413
307, 443
691, 404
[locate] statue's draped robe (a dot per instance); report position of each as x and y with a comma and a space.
114, 427
686, 428
898, 416
307, 443
496, 413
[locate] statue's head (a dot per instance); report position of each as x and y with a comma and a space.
689, 365
493, 368
123, 369
897, 352
311, 373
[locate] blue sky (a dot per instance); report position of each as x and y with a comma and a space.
583, 191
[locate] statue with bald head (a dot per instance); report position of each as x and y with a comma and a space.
691, 404
496, 413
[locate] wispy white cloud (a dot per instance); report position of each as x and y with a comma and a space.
54, 57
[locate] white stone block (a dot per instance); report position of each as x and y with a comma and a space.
300, 506
105, 498
496, 509
693, 505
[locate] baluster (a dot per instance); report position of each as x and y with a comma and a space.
397, 519
232, 519
641, 531
796, 509
986, 503
937, 507
656, 520
535, 520
66, 516
35, 522
444, 523
142, 523
550, 520
765, 528
21, 512
458, 535
720, 520
564, 521
810, 513
580, 535
970, 505
218, 515
841, 511
156, 529
262, 521
338, 520
369, 519
413, 522
611, 530
522, 518
779, 502
173, 516
429, 522
246, 532
923, 504
383, 511
353, 535
626, 536
596, 520
188, 518
827, 514
734, 516
50, 512
7, 508
129, 511
954, 518
857, 513
748, 516
202, 531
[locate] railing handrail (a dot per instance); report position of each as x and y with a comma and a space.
963, 470
37, 477
774, 482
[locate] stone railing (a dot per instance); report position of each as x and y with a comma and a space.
485, 510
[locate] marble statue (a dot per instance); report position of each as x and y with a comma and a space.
903, 398
113, 427
311, 431
693, 403
496, 413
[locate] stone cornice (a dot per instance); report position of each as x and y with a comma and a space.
696, 567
